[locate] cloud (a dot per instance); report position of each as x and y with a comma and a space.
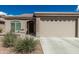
2, 13
77, 8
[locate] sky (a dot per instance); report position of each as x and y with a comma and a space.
24, 9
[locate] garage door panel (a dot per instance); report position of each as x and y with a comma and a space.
57, 28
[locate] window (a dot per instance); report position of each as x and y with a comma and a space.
15, 26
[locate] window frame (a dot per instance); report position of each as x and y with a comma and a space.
15, 26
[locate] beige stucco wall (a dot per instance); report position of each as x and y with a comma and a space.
7, 26
37, 27
2, 26
55, 28
23, 25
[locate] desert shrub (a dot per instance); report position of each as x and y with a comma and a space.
0, 30
9, 39
26, 45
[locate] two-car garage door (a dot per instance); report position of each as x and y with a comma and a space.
57, 28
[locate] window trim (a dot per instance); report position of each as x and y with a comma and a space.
15, 22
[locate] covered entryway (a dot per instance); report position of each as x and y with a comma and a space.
31, 27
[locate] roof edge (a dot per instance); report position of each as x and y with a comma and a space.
56, 13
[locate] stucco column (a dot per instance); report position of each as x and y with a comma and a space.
7, 26
78, 27
37, 27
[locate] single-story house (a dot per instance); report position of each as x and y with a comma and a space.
42, 24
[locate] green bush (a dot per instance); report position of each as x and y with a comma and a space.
26, 45
9, 39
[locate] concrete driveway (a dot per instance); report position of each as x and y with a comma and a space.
60, 45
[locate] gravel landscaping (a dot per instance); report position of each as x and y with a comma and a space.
3, 50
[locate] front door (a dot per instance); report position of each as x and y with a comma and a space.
31, 27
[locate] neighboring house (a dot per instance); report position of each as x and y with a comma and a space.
42, 24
